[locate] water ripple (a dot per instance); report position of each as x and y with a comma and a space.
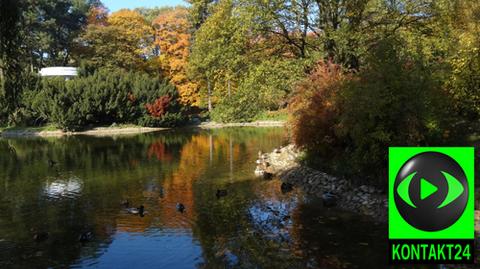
69, 188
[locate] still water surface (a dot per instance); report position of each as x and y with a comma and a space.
81, 190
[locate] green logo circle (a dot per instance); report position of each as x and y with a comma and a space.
431, 191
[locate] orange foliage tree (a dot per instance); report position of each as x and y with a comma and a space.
314, 109
172, 38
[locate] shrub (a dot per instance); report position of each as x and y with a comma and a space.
105, 97
159, 107
314, 109
57, 103
347, 121
393, 102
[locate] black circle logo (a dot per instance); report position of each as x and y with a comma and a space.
431, 191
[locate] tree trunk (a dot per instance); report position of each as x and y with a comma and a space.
209, 96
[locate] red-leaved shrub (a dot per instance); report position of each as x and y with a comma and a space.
314, 110
159, 107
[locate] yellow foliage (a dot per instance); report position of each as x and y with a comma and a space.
123, 39
134, 27
173, 40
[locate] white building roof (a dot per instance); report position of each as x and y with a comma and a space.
61, 71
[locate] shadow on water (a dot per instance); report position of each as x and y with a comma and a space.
61, 206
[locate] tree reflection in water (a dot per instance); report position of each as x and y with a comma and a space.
253, 226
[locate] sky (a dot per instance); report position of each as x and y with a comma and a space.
114, 5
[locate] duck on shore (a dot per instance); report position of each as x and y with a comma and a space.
85, 237
51, 163
221, 193
329, 199
161, 192
40, 236
180, 207
137, 211
267, 175
286, 187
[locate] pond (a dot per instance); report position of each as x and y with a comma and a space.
62, 204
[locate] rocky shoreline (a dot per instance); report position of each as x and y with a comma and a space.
367, 200
364, 199
334, 191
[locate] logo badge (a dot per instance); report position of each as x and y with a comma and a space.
431, 198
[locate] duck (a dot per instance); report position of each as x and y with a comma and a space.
221, 193
161, 192
51, 163
180, 207
41, 236
85, 237
267, 175
137, 211
286, 187
329, 199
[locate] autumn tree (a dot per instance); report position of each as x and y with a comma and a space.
200, 10
150, 14
124, 40
219, 51
464, 57
172, 39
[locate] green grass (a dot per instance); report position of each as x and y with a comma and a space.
278, 115
49, 127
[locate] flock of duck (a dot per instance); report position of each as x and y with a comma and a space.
329, 200
87, 236
140, 211
84, 237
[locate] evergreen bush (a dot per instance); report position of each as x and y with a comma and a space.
105, 97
